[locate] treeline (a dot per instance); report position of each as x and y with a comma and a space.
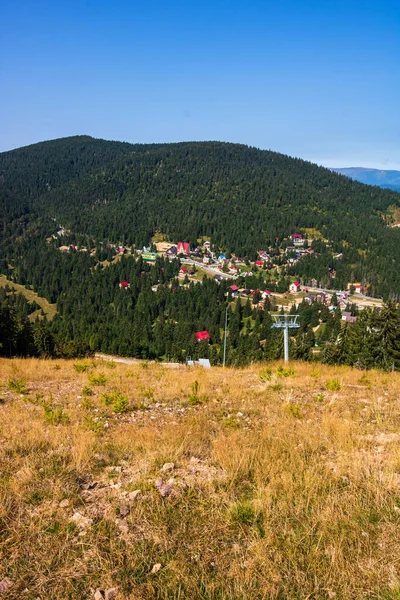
158, 315
240, 198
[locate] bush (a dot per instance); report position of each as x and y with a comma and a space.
54, 415
282, 371
194, 397
99, 379
118, 401
17, 385
265, 374
243, 513
81, 367
333, 385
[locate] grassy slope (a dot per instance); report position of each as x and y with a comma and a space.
49, 309
281, 488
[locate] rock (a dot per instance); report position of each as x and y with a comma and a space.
64, 503
156, 568
133, 495
111, 594
168, 467
6, 583
98, 595
124, 511
164, 489
80, 520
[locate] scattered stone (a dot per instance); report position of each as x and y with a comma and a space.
168, 467
111, 594
6, 583
156, 568
80, 520
124, 510
164, 489
64, 503
98, 595
133, 495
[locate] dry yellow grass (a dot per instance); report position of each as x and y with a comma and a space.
281, 486
48, 309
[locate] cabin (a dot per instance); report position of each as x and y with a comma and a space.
266, 294
183, 270
202, 335
124, 285
183, 248
294, 287
348, 317
260, 263
234, 290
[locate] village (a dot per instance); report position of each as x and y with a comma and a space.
205, 260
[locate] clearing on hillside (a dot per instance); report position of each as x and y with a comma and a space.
48, 309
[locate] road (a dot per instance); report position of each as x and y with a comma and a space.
212, 270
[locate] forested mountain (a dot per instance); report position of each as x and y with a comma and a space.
242, 199
386, 179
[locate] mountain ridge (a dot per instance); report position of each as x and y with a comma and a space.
383, 178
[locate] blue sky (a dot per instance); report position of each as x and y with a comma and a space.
315, 79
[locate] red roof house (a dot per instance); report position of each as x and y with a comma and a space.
233, 288
123, 284
202, 335
183, 270
259, 263
183, 248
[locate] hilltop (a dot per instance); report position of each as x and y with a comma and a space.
240, 198
265, 482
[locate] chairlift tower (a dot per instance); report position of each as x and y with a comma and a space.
286, 322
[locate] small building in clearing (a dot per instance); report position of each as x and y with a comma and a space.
202, 335
294, 287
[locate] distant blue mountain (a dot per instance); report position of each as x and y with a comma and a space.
384, 179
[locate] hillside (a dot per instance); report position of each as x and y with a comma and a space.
385, 179
241, 198
203, 484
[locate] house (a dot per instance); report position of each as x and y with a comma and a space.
358, 289
201, 362
221, 258
348, 317
120, 250
266, 294
206, 245
206, 260
314, 283
294, 287
123, 285
260, 263
218, 278
202, 335
183, 270
234, 290
310, 299
296, 236
183, 248
172, 252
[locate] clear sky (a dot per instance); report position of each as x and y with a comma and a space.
319, 79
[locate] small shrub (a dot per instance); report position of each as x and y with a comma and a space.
118, 401
243, 513
121, 404
294, 410
99, 379
87, 404
365, 381
81, 367
17, 385
54, 415
333, 385
57, 367
320, 397
230, 422
94, 424
276, 387
315, 374
87, 391
194, 397
265, 374
282, 371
